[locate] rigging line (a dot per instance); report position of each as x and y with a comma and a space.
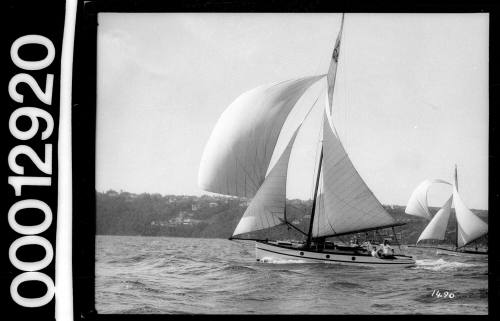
319, 147
321, 200
309, 234
317, 174
396, 238
256, 187
300, 124
322, 209
313, 176
286, 119
310, 109
296, 207
319, 207
284, 209
261, 221
330, 224
267, 219
345, 75
294, 227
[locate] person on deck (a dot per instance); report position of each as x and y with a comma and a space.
385, 249
368, 246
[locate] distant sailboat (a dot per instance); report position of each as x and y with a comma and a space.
237, 157
469, 226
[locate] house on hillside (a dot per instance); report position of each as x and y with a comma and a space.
112, 193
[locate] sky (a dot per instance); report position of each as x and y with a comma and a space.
410, 102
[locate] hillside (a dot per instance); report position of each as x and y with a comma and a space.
123, 213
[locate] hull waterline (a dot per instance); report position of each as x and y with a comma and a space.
266, 252
450, 251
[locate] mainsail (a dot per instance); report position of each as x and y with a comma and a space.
346, 204
238, 152
268, 206
417, 204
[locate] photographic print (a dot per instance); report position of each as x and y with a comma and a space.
292, 163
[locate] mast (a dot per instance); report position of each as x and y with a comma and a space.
332, 73
456, 219
309, 234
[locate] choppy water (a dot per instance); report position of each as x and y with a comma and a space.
186, 275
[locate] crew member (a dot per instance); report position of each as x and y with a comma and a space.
386, 249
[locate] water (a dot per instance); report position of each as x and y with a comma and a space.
136, 274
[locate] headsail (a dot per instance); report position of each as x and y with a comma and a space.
436, 229
268, 206
417, 204
348, 204
470, 227
237, 154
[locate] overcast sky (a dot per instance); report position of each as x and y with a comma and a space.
411, 97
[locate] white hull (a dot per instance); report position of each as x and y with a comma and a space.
461, 253
269, 253
440, 250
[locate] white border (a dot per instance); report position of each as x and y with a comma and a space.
64, 272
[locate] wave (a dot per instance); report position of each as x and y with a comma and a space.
142, 310
281, 261
212, 279
131, 259
346, 284
290, 272
133, 283
138, 285
382, 306
239, 268
441, 265
475, 294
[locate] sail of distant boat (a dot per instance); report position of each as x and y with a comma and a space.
436, 229
469, 226
417, 204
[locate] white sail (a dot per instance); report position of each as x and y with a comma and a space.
268, 206
348, 203
417, 204
332, 70
470, 227
238, 152
436, 229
